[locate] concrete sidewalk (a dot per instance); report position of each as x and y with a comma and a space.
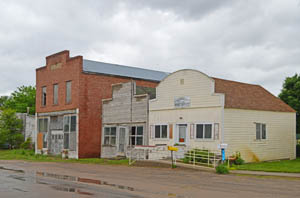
244, 172
262, 173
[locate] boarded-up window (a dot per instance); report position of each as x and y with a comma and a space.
40, 141
44, 96
43, 132
55, 94
68, 92
171, 131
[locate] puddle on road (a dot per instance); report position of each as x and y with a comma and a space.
97, 182
71, 189
18, 189
17, 177
84, 180
81, 180
9, 169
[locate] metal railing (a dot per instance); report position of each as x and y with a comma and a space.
188, 155
202, 157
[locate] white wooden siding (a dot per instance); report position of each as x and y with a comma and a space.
198, 86
240, 134
205, 107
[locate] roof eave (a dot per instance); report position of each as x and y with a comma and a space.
135, 78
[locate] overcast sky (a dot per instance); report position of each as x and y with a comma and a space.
249, 41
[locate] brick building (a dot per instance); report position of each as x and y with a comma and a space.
69, 93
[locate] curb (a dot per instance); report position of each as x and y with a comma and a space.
262, 173
183, 165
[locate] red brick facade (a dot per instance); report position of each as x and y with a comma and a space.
88, 90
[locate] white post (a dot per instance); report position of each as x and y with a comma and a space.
194, 157
208, 159
214, 160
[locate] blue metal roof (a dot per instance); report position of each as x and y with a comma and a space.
121, 70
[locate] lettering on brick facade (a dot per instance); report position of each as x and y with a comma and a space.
55, 66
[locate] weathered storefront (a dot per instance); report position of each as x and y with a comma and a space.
57, 133
125, 119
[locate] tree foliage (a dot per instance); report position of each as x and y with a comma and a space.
10, 129
20, 99
3, 99
290, 94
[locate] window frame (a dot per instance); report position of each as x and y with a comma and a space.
44, 96
160, 132
45, 133
43, 118
68, 101
69, 131
136, 136
260, 131
203, 130
110, 136
55, 94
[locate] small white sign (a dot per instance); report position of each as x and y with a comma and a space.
181, 102
222, 146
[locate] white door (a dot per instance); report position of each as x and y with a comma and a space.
122, 140
56, 142
182, 134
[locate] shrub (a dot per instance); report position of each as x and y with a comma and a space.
186, 160
238, 160
27, 144
222, 169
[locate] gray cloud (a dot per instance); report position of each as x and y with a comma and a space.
251, 41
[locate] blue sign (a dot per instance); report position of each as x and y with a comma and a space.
223, 154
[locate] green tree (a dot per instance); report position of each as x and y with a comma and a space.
10, 129
3, 99
22, 98
290, 94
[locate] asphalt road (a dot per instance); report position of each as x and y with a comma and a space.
32, 180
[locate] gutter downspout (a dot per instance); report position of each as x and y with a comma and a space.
222, 119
